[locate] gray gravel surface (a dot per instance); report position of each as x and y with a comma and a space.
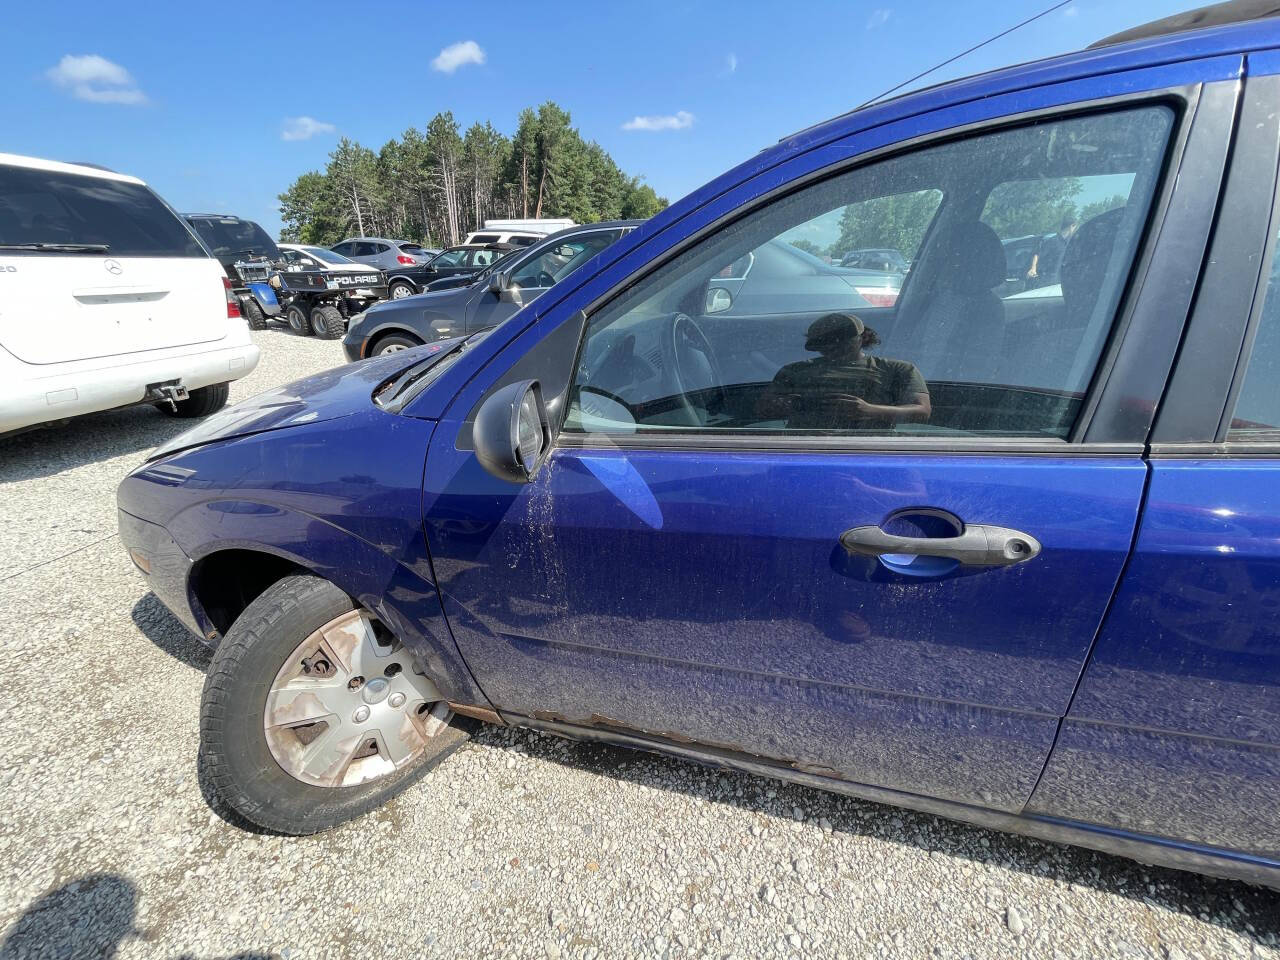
518, 845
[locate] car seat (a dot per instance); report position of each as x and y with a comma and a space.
959, 329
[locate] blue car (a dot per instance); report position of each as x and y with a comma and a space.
1011, 561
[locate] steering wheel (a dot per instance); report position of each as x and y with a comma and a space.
687, 360
545, 279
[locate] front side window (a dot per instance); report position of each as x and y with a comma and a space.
559, 260
763, 328
44, 211
449, 258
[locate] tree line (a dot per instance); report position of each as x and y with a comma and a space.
436, 185
1015, 209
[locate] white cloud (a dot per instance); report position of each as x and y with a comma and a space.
679, 120
1070, 12
879, 18
95, 79
458, 55
304, 128
731, 63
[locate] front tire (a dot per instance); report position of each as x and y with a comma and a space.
327, 322
313, 714
200, 402
253, 314
400, 289
394, 343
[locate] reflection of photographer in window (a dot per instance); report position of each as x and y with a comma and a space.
845, 388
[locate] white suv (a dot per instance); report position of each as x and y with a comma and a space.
107, 299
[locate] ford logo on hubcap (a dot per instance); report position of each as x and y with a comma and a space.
113, 267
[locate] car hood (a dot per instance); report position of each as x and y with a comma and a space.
325, 396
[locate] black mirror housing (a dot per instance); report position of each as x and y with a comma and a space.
512, 432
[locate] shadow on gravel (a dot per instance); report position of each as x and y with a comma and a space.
163, 629
89, 439
1251, 912
89, 917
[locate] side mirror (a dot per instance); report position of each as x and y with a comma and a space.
512, 433
497, 282
718, 300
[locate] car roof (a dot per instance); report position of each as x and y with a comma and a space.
57, 166
1215, 15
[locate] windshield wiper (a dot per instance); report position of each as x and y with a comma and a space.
59, 247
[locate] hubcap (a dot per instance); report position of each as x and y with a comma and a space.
393, 348
349, 706
399, 292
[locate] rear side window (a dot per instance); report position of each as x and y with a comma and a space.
49, 207
1257, 413
761, 328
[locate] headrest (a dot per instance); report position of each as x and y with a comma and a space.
972, 258
1084, 264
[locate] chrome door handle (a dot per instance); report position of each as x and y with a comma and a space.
980, 545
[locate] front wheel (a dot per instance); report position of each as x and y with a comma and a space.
200, 402
327, 322
314, 714
400, 289
253, 315
394, 343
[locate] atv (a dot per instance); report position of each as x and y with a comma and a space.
268, 287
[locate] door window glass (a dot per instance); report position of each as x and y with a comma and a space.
558, 261
762, 328
1257, 413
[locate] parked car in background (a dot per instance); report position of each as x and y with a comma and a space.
1019, 571
383, 253
881, 260
519, 280
108, 300
462, 261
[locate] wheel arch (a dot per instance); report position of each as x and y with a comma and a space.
225, 582
225, 578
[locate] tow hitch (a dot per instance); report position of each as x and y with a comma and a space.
170, 392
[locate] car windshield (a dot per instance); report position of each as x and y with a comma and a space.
232, 237
326, 256
43, 211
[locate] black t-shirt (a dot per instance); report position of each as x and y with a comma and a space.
877, 380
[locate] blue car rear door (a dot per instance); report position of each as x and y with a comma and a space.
885, 564
1176, 726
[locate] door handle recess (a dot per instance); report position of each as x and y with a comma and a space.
980, 545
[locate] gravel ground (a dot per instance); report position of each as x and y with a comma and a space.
519, 845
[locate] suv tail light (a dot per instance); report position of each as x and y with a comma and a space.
233, 305
878, 296
403, 258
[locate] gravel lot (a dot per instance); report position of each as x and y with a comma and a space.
519, 845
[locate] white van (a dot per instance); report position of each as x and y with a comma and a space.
522, 233
107, 299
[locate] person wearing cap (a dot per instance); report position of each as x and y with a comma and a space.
845, 388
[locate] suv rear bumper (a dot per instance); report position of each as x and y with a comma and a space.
30, 394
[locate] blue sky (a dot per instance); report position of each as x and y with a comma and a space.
222, 119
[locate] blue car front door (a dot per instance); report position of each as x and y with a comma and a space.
698, 560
